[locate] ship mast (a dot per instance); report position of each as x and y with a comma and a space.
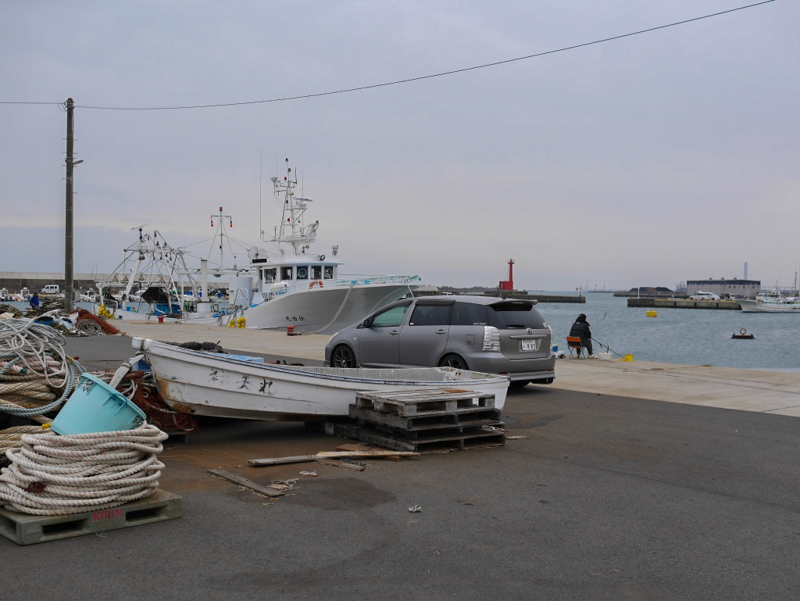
222, 236
292, 229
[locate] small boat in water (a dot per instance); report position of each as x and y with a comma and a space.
215, 384
770, 302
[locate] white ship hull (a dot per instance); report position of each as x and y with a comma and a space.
324, 310
754, 306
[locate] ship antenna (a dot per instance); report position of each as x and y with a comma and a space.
260, 178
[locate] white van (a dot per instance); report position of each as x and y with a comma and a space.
699, 296
51, 289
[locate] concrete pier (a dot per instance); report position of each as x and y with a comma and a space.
679, 303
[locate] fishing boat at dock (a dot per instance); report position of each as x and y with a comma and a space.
291, 286
772, 301
215, 384
154, 280
300, 288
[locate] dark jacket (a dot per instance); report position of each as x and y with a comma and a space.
581, 328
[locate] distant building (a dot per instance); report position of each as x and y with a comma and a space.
734, 288
647, 291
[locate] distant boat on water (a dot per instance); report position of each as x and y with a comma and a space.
771, 302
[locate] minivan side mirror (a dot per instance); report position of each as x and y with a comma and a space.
364, 324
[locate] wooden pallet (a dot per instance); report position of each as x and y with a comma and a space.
433, 441
424, 401
429, 421
426, 419
25, 529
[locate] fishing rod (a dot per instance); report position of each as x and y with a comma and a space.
608, 348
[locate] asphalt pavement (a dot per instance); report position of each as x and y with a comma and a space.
596, 497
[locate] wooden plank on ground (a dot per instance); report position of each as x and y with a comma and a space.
328, 455
342, 464
465, 440
242, 481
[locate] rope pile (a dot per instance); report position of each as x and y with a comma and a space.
60, 475
36, 377
89, 323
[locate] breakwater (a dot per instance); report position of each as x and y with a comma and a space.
679, 303
551, 298
539, 298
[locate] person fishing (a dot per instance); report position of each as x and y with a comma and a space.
581, 329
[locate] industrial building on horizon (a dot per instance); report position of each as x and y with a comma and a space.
725, 288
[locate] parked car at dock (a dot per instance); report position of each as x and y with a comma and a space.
700, 295
488, 334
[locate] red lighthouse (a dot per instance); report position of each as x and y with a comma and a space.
509, 283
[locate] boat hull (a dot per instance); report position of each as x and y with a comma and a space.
202, 383
206, 313
751, 306
324, 310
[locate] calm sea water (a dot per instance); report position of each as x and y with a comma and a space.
687, 336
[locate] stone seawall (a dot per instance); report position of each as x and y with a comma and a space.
678, 303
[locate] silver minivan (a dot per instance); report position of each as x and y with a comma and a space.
481, 333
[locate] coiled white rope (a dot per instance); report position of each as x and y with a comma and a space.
36, 376
60, 475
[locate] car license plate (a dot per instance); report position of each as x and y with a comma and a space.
528, 345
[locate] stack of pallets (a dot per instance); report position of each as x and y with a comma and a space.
427, 419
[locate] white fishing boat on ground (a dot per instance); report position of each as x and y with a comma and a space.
214, 384
772, 301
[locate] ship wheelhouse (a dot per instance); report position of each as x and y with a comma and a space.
296, 272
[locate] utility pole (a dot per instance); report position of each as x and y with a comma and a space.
69, 293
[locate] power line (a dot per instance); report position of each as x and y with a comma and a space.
20, 102
418, 78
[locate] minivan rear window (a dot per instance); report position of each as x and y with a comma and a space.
469, 314
515, 315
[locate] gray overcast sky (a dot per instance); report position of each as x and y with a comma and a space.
649, 160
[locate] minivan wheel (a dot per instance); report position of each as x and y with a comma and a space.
342, 356
453, 361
